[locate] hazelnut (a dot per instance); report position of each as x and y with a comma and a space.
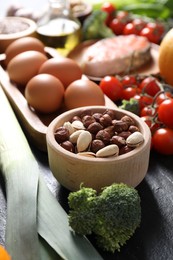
111, 113
128, 120
94, 127
118, 140
96, 145
61, 134
119, 125
87, 120
104, 136
105, 120
68, 146
97, 116
133, 129
125, 149
110, 130
125, 134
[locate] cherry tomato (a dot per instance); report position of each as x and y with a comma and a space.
165, 112
117, 26
147, 111
123, 16
150, 85
128, 93
130, 28
110, 9
112, 87
139, 24
162, 141
152, 34
129, 80
156, 26
163, 96
145, 101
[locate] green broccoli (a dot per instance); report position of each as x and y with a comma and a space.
94, 26
131, 105
113, 215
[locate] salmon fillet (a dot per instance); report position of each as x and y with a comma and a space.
116, 55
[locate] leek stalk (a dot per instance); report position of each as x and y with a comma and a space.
32, 210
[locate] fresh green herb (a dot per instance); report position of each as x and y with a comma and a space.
94, 26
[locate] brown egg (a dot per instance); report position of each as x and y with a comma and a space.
83, 92
24, 66
65, 69
21, 45
44, 93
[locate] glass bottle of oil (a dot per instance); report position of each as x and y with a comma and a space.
59, 29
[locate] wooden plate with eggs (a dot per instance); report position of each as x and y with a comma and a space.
34, 123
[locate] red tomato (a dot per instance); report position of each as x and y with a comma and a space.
152, 34
145, 101
150, 85
165, 112
130, 29
128, 93
157, 26
123, 16
162, 97
139, 24
117, 26
129, 80
110, 9
147, 111
162, 141
112, 87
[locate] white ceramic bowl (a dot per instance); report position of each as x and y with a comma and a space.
71, 169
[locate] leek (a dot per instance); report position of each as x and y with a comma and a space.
32, 210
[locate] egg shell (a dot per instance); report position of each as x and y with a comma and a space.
65, 69
24, 66
44, 93
22, 45
83, 92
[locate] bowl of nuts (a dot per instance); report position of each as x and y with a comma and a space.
96, 146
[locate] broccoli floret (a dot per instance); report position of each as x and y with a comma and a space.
131, 105
94, 26
112, 216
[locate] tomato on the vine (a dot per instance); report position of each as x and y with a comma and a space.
112, 87
150, 85
128, 93
147, 111
117, 26
110, 9
139, 24
152, 34
162, 141
165, 112
129, 80
145, 101
163, 96
130, 28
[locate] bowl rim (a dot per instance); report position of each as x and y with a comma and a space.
50, 139
31, 29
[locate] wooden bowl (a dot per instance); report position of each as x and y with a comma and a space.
16, 27
71, 169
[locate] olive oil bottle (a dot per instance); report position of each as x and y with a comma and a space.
59, 29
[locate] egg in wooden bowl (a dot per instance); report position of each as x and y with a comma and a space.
96, 146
